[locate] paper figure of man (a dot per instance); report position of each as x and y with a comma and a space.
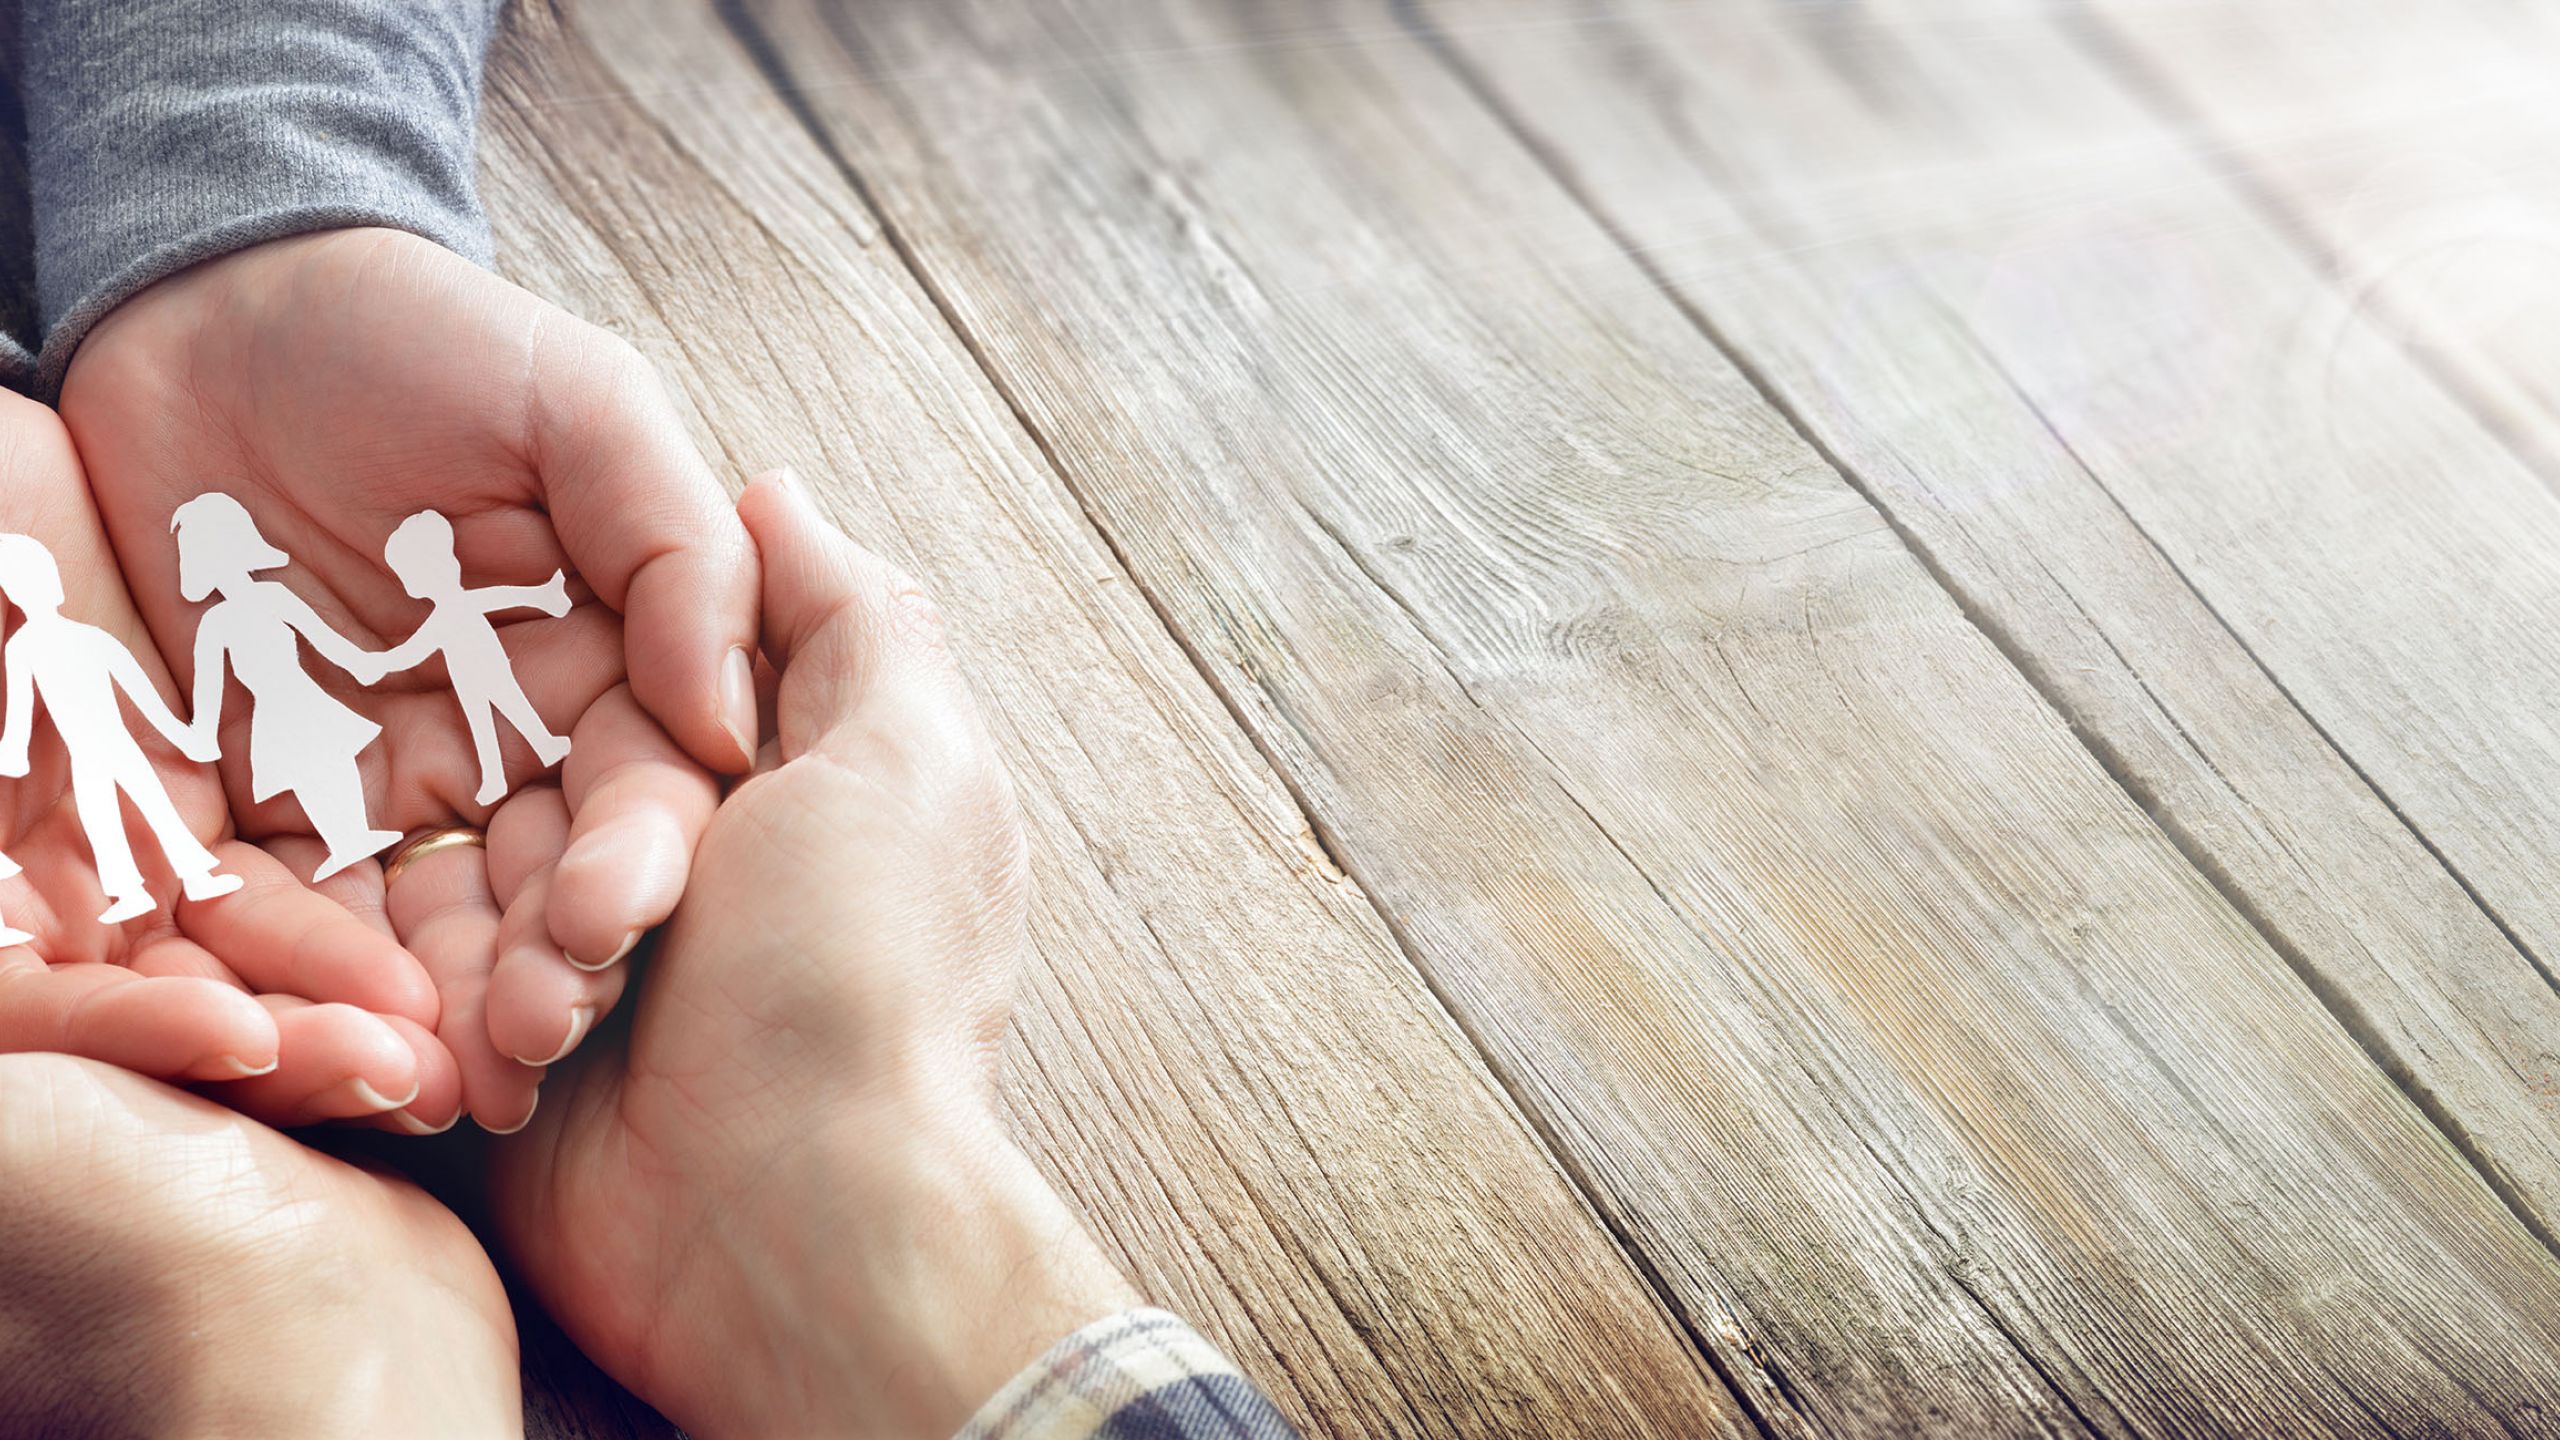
301, 738
77, 672
420, 552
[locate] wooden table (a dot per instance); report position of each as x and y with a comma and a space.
1758, 717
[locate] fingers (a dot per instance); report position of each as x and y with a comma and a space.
342, 1063
645, 523
170, 1027
442, 909
280, 936
435, 1106
846, 628
540, 1005
358, 890
640, 806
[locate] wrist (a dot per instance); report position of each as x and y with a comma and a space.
902, 1268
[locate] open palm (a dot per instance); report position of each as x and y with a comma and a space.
336, 384
310, 1012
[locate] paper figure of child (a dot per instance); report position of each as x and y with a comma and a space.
301, 738
420, 552
76, 671
10, 935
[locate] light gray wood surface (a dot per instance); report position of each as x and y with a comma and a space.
1749, 718
2290, 591
2411, 145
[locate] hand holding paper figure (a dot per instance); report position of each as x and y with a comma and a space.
428, 383
289, 1006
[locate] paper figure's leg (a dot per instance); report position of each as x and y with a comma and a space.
187, 855
337, 815
484, 744
93, 794
548, 748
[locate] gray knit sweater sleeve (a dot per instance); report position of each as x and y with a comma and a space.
165, 132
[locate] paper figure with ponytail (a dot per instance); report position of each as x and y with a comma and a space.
77, 672
302, 740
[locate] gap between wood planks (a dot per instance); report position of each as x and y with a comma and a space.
1766, 1385
2148, 91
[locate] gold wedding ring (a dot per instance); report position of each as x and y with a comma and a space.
444, 837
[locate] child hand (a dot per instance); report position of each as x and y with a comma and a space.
580, 458
308, 1010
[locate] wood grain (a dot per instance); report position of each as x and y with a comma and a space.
2412, 146
1222, 1055
2233, 535
1932, 1083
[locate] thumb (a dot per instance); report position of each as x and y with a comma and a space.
844, 626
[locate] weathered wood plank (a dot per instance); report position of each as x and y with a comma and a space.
1222, 1055
2414, 145
1935, 1086
2149, 447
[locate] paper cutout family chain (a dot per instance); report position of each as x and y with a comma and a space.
302, 740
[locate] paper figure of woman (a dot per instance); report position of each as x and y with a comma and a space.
302, 739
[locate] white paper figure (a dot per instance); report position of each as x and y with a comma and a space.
301, 739
77, 670
420, 552
10, 935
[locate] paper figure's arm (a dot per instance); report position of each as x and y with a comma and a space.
210, 655
551, 597
193, 743
337, 649
412, 651
18, 726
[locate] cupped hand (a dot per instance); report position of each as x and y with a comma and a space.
782, 1204
336, 384
170, 1267
308, 1011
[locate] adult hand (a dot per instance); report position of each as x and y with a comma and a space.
335, 384
783, 1205
327, 1012
170, 1267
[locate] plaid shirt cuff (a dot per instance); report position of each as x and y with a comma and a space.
1142, 1375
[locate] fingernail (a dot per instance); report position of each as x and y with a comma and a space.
370, 1100
738, 702
527, 1120
241, 1069
609, 961
580, 1017
411, 1125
